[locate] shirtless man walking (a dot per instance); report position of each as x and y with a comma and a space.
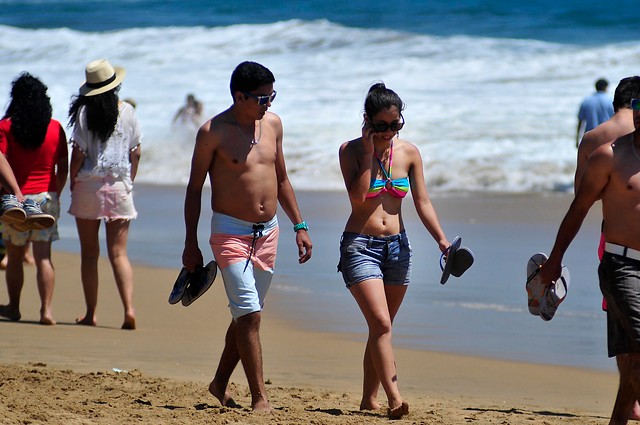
241, 151
620, 124
612, 174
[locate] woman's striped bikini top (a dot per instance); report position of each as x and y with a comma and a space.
397, 188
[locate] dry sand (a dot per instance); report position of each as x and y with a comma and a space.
158, 374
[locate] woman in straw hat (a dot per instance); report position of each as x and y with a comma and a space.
106, 152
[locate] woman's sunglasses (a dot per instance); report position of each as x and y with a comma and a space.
262, 100
381, 127
635, 104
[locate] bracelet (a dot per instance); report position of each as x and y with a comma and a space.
301, 226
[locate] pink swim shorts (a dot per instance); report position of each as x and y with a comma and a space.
246, 255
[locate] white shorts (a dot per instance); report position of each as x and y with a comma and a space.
104, 198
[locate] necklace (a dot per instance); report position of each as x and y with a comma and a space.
253, 140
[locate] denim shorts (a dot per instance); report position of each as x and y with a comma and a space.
364, 257
620, 285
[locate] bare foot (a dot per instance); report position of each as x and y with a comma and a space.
85, 321
372, 405
399, 412
129, 323
28, 260
46, 319
10, 313
222, 395
261, 407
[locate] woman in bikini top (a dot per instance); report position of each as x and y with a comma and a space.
379, 168
375, 255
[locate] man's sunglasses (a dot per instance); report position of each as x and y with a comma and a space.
381, 127
262, 100
635, 104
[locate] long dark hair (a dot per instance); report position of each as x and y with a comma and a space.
101, 112
29, 110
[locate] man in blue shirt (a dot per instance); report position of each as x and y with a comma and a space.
594, 110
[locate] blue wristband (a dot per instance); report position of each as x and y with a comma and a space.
301, 226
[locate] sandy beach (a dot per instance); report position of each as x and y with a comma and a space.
492, 91
70, 374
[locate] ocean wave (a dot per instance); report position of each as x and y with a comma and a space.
487, 113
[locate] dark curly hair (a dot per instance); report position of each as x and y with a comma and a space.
101, 112
29, 110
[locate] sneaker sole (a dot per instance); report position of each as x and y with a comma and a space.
13, 216
39, 222
20, 227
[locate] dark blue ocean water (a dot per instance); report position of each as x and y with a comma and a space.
573, 21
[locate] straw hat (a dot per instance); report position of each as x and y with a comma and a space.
101, 77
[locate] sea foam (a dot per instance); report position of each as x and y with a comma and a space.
487, 113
